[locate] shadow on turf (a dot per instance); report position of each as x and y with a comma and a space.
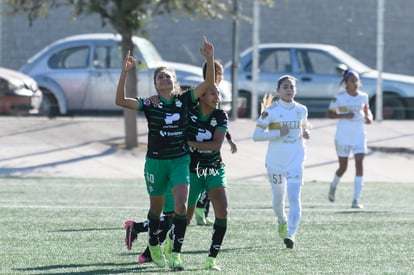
22, 170
86, 229
361, 211
115, 268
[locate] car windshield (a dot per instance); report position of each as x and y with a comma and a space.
38, 54
350, 61
148, 51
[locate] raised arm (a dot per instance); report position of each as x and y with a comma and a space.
208, 51
121, 99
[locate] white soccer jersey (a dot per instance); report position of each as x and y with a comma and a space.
284, 154
350, 131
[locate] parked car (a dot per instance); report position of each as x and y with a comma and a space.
19, 93
80, 73
318, 68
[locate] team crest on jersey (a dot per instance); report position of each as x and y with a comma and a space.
160, 105
213, 122
265, 115
178, 103
147, 102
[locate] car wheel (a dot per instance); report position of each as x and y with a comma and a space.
392, 107
49, 105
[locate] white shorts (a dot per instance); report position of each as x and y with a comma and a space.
282, 176
344, 149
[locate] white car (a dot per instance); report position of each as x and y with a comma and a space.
317, 68
80, 73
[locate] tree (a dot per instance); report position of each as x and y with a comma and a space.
127, 17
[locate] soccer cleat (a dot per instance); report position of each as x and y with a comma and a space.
175, 262
131, 235
331, 194
355, 204
156, 255
211, 264
289, 241
200, 216
168, 246
283, 230
209, 222
143, 259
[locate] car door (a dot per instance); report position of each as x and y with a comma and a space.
107, 66
69, 69
317, 79
273, 63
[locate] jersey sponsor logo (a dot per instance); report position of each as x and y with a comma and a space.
290, 140
170, 118
170, 134
203, 134
204, 172
205, 151
295, 124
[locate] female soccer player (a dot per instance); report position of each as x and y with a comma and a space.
203, 204
351, 108
284, 124
167, 159
206, 131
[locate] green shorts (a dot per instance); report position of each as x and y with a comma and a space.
208, 182
161, 174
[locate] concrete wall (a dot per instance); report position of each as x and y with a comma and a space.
350, 25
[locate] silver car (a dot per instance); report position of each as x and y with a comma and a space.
318, 68
80, 73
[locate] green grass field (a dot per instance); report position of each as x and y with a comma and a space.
75, 226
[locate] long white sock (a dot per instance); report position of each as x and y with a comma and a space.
335, 181
358, 183
295, 206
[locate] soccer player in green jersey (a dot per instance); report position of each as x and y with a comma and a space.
167, 158
206, 131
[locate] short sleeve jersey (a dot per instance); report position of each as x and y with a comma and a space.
202, 129
167, 125
289, 150
343, 103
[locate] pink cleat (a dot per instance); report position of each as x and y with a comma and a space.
131, 235
142, 259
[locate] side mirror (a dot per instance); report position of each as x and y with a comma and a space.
340, 68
